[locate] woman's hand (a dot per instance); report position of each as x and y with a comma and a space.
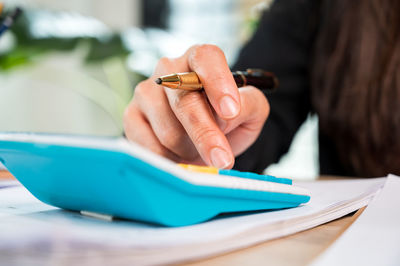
197, 127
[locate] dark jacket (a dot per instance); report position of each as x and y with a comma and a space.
283, 44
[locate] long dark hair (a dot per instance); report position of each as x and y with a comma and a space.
356, 82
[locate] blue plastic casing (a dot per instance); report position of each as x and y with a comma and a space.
118, 184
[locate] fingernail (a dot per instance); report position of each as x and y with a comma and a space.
228, 106
220, 158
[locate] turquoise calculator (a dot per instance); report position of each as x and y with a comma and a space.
119, 178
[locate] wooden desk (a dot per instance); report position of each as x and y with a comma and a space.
297, 249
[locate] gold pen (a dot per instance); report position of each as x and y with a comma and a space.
263, 80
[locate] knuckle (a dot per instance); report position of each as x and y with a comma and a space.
169, 138
206, 50
185, 102
139, 89
164, 62
203, 134
143, 93
216, 78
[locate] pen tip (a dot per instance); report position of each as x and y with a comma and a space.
158, 81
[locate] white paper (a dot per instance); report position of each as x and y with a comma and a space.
27, 223
374, 238
6, 183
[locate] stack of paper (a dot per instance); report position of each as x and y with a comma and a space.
373, 239
36, 232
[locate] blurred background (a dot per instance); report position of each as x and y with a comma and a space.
71, 66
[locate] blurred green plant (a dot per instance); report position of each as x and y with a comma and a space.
28, 47
110, 86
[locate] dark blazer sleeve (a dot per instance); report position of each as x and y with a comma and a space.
282, 45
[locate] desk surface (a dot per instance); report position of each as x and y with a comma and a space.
303, 247
298, 249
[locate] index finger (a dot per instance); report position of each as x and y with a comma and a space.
210, 64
